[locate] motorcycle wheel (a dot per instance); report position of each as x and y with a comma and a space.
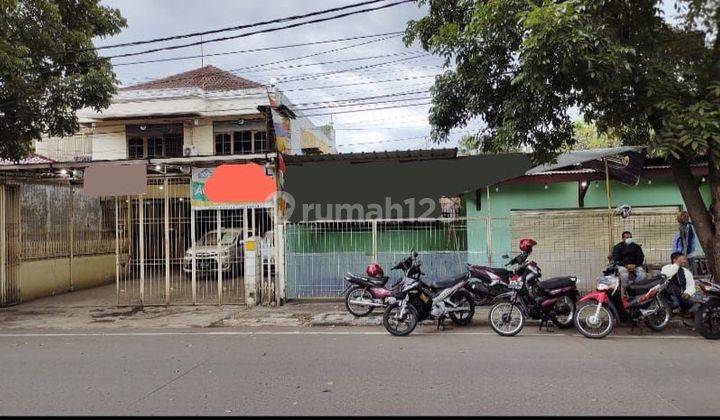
661, 319
506, 319
565, 321
358, 293
397, 326
590, 327
462, 298
707, 320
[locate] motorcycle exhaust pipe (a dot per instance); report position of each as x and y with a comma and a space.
366, 303
459, 309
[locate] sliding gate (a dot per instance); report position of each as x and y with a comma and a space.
169, 253
319, 253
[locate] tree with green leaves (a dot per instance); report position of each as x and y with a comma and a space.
648, 76
49, 68
588, 137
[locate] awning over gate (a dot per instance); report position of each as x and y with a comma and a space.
390, 185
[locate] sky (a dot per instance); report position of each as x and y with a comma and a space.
394, 128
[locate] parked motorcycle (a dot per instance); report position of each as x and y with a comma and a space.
420, 298
486, 283
365, 293
550, 300
600, 310
707, 317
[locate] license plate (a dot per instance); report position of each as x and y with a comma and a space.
515, 285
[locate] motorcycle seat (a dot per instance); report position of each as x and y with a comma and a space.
643, 287
377, 281
558, 283
500, 272
648, 280
445, 282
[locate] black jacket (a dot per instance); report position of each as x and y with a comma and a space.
677, 283
628, 254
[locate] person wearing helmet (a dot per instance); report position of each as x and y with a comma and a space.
527, 244
629, 257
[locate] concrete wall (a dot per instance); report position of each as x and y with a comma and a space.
109, 142
47, 277
564, 195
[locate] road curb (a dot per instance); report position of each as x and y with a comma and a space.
344, 319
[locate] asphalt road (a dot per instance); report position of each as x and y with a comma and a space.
355, 371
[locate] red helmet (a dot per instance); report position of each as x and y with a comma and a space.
374, 270
527, 244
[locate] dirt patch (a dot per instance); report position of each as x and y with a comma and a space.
131, 312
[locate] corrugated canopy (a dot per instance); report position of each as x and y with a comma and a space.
392, 185
624, 163
578, 157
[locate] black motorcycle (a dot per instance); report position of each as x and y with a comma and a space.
420, 298
550, 300
486, 283
707, 317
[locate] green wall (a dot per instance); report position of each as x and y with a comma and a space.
435, 237
563, 195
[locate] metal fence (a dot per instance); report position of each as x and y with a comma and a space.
9, 244
58, 221
570, 242
170, 253
64, 149
318, 254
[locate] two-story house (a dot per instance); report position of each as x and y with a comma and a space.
173, 244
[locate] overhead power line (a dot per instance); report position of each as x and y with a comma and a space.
409, 105
260, 67
261, 31
309, 76
387, 35
354, 105
238, 27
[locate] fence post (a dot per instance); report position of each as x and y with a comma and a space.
218, 237
193, 266
489, 229
279, 245
3, 247
167, 241
374, 241
117, 251
141, 232
72, 234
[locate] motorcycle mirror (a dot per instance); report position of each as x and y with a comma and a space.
505, 256
414, 254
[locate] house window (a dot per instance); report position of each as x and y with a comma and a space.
242, 142
154, 141
223, 144
260, 138
238, 142
155, 147
136, 148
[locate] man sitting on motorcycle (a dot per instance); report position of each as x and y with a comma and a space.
682, 284
629, 257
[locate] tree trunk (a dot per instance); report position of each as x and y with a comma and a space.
702, 219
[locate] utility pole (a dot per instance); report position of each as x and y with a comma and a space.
202, 52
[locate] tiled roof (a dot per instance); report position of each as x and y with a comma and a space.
208, 78
30, 160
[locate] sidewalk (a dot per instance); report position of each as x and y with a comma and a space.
92, 309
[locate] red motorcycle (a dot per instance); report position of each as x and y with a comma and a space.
365, 293
600, 310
